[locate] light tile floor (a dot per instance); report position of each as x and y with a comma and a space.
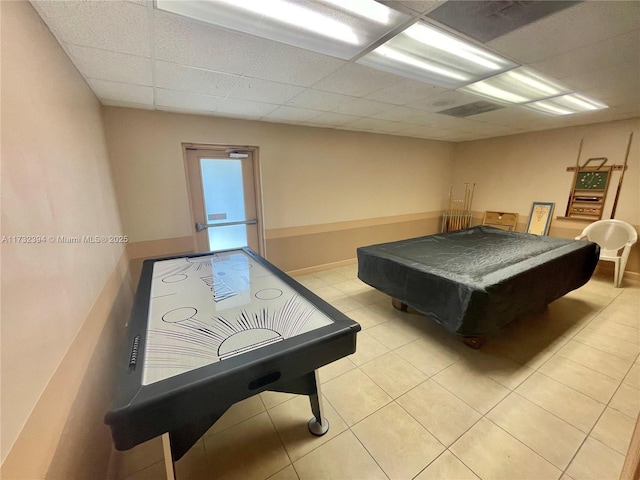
555, 395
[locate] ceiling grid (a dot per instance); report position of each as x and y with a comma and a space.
133, 54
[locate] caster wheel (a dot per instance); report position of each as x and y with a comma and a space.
318, 429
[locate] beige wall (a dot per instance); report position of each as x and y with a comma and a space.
56, 297
512, 172
310, 177
304, 248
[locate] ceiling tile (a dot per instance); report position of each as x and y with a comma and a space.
405, 91
122, 92
319, 100
448, 123
264, 91
510, 116
403, 114
191, 79
112, 66
612, 94
330, 118
584, 24
187, 101
376, 125
416, 6
293, 114
626, 74
118, 26
191, 43
286, 64
615, 113
245, 108
362, 108
614, 51
356, 80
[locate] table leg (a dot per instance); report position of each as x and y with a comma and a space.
168, 458
318, 425
403, 307
474, 342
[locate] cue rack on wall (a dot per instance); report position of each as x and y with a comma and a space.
590, 186
458, 216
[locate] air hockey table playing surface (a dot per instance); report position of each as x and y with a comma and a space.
209, 330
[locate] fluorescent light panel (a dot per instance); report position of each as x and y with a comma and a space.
424, 53
521, 85
566, 105
331, 27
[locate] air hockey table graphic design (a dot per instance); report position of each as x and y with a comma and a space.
209, 330
209, 308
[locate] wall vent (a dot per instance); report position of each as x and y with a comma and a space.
471, 109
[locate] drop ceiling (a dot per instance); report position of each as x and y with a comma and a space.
134, 55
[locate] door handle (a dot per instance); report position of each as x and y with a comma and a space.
203, 226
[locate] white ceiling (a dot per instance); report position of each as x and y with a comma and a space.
136, 56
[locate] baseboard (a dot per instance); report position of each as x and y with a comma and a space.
320, 268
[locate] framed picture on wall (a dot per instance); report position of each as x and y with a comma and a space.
540, 218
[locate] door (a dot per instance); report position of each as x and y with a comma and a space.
224, 198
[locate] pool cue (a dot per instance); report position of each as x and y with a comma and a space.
448, 226
466, 205
467, 188
471, 202
455, 215
624, 167
575, 176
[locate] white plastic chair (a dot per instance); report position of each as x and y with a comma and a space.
612, 235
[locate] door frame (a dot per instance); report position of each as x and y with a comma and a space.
257, 180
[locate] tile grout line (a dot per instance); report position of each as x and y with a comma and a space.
599, 417
284, 447
512, 390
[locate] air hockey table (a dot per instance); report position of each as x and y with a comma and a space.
209, 330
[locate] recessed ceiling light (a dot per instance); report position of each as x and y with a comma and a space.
340, 29
424, 53
365, 8
520, 85
567, 105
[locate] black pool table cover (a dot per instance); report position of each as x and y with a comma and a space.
476, 281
